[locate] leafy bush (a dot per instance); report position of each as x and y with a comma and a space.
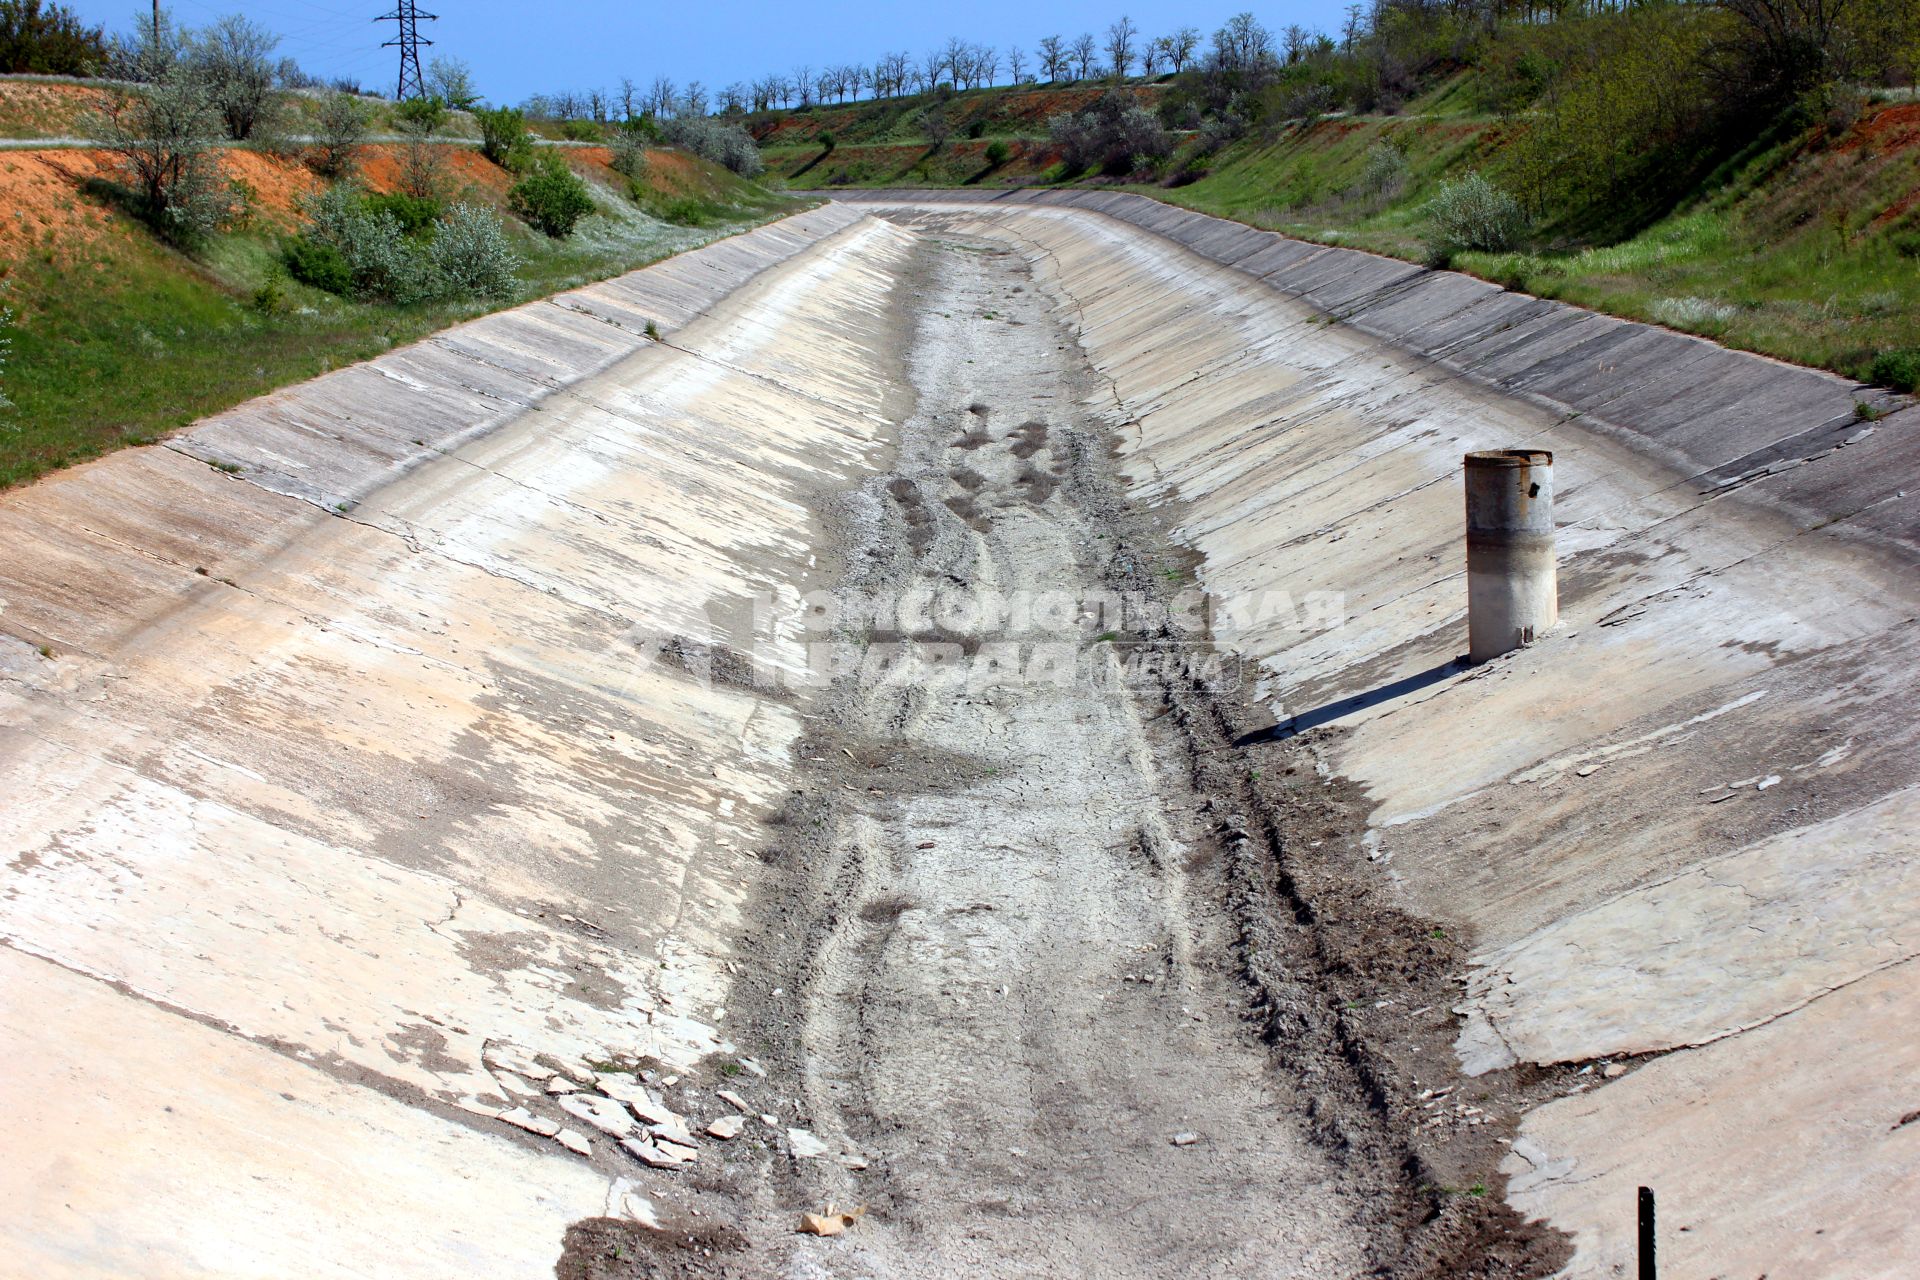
998, 152
382, 263
340, 126
1898, 369
6, 341
1385, 174
1116, 135
724, 144
231, 59
551, 196
1471, 213
580, 131
321, 265
502, 129
422, 116
413, 213
163, 134
471, 254
629, 153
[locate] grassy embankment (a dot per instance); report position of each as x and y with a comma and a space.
1805, 246
119, 338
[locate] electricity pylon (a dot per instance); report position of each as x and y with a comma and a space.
408, 15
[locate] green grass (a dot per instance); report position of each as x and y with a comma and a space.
1800, 251
120, 341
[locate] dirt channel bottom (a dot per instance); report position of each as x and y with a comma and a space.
1091, 990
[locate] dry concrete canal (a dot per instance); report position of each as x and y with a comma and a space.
964, 737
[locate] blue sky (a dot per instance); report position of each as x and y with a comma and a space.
520, 48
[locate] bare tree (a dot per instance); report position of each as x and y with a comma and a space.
1242, 44
1181, 46
1120, 38
1053, 57
694, 102
660, 97
629, 94
931, 66
597, 105
1151, 55
1016, 64
802, 79
824, 85
894, 69
1081, 53
1294, 43
957, 57
986, 63
733, 98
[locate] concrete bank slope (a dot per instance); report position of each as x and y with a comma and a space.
338, 812
1683, 827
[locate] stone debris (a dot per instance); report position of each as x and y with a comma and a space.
830, 1223
1614, 1070
657, 1155
625, 1201
574, 1142
676, 1133
806, 1146
560, 1084
735, 1101
525, 1119
727, 1128
488, 1107
750, 1065
854, 1161
603, 1114
513, 1084
1185, 1139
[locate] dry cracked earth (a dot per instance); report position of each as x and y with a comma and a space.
1045, 956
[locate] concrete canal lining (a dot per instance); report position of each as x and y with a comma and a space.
334, 799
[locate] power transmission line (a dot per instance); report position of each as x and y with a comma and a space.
408, 15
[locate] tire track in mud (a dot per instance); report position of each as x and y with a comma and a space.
1014, 1003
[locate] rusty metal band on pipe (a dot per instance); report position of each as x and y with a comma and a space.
1512, 592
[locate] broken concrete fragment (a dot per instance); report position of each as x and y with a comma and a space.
806, 1146
727, 1128
603, 1114
525, 1119
735, 1101
624, 1200
657, 1156
675, 1132
574, 1142
830, 1223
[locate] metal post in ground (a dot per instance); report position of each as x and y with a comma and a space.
1647, 1267
1512, 593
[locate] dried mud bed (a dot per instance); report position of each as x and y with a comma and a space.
1018, 935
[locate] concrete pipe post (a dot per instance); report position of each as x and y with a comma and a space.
1512, 592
